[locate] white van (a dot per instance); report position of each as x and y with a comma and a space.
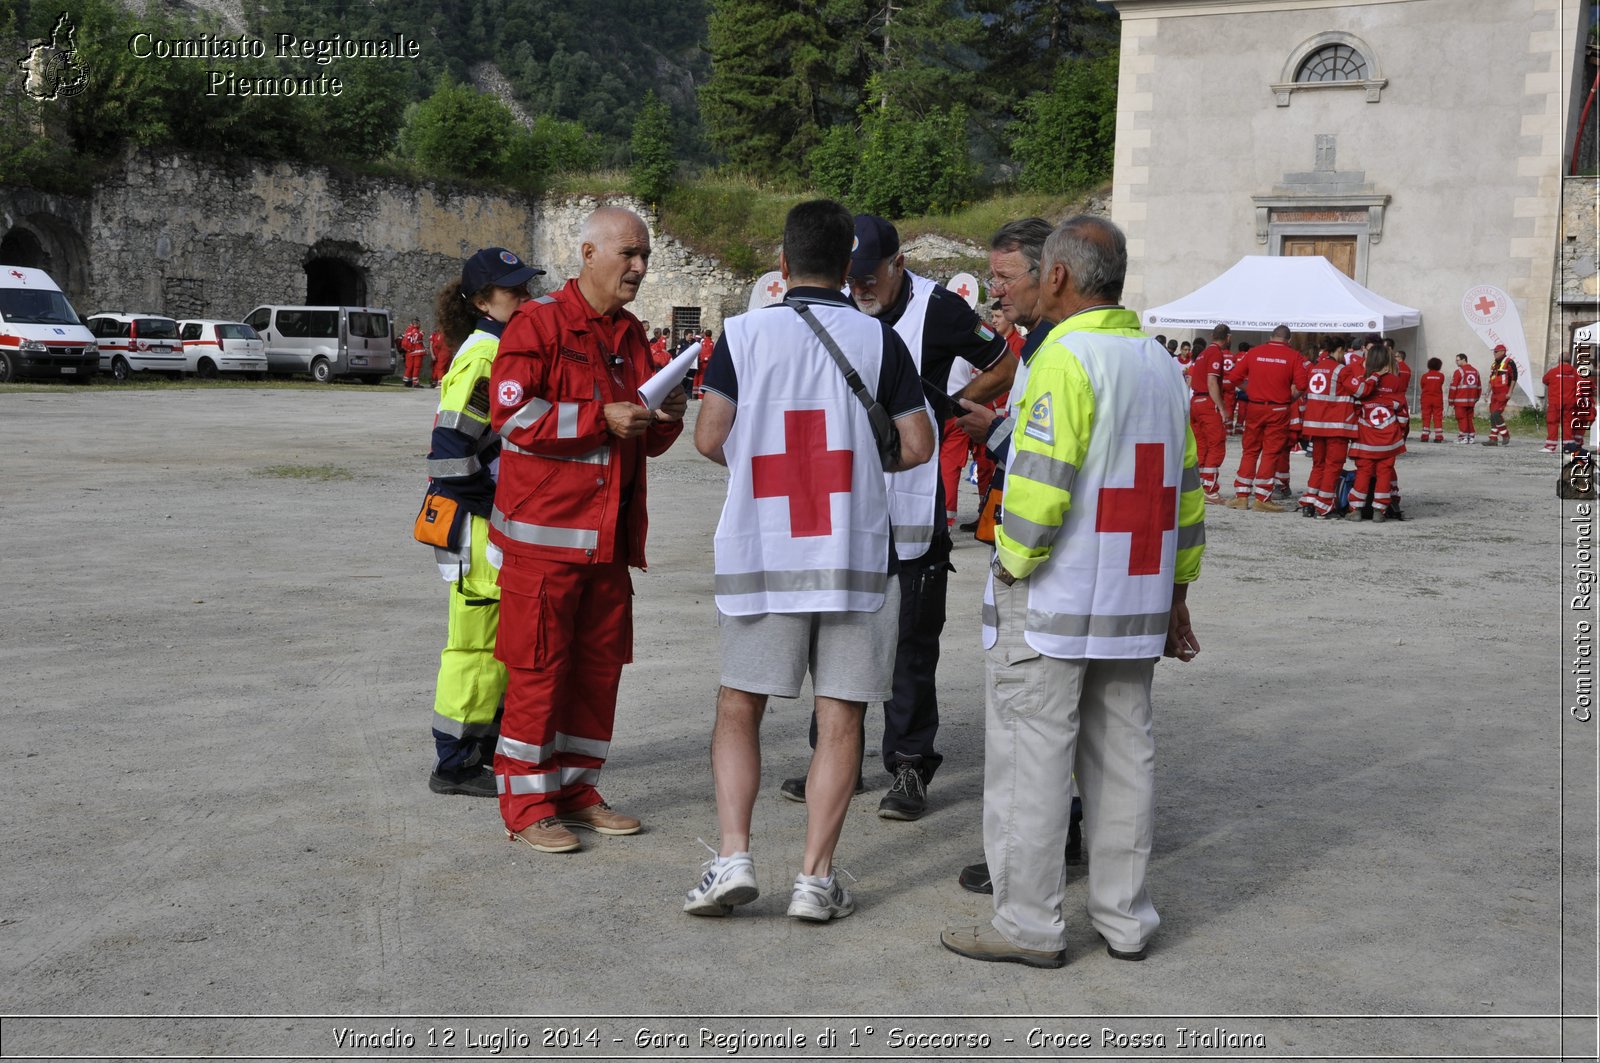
135, 343
40, 334
326, 341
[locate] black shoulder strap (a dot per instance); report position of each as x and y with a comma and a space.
876, 414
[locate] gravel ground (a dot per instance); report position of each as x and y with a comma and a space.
219, 645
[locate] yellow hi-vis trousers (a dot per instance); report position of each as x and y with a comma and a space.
472, 683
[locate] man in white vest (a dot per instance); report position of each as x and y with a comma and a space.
940, 330
805, 560
1101, 534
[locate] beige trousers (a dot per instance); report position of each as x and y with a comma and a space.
1045, 718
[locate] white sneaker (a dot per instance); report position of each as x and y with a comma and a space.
729, 880
817, 900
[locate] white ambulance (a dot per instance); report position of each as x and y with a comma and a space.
40, 334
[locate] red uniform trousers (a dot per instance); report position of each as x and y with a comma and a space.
952, 462
566, 630
413, 365
1230, 407
1210, 440
1374, 472
1327, 463
1432, 417
1464, 418
1266, 439
441, 363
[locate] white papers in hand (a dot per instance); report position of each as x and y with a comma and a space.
658, 387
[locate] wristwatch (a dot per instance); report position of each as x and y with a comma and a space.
1000, 572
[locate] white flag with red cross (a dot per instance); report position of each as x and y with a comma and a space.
966, 286
1493, 316
768, 290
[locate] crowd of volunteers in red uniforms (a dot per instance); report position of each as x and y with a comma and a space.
1345, 403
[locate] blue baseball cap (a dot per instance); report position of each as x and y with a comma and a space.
497, 266
876, 240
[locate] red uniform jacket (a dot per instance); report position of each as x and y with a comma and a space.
1381, 430
1502, 375
1331, 409
1465, 386
411, 340
1268, 372
1433, 388
567, 485
1561, 387
1207, 363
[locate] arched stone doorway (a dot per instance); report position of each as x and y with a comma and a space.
45, 241
333, 278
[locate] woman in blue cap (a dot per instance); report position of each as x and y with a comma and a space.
462, 462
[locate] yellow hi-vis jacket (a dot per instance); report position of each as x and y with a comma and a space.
1102, 511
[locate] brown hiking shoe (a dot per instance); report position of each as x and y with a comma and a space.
602, 819
1238, 502
547, 836
1266, 505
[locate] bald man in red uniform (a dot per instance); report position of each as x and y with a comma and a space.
1267, 371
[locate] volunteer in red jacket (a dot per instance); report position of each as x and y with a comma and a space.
1330, 424
1560, 403
1232, 416
440, 346
1502, 376
1205, 412
570, 517
1432, 393
1466, 387
1267, 373
1380, 437
411, 346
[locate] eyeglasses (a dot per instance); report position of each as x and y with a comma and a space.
1000, 284
864, 282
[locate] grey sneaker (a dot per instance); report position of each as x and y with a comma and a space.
728, 881
817, 900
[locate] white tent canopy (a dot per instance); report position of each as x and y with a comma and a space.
1307, 293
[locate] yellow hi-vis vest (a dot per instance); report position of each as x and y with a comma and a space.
805, 528
1102, 511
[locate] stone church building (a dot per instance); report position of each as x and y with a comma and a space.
1422, 146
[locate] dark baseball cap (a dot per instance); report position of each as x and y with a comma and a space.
876, 240
497, 266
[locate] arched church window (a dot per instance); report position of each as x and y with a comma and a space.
1334, 62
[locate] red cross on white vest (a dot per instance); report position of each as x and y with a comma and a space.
807, 473
1146, 511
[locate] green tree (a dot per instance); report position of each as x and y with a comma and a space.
910, 165
1065, 137
650, 177
458, 131
925, 54
782, 71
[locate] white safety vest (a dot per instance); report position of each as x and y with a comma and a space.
1082, 601
805, 528
911, 493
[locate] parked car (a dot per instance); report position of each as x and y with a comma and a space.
136, 343
212, 347
40, 334
326, 341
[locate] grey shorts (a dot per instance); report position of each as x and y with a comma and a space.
850, 655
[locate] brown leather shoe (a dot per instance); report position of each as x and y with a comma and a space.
547, 836
1238, 502
602, 819
1265, 505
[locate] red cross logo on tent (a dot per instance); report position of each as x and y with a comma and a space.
807, 473
1484, 305
1146, 511
775, 289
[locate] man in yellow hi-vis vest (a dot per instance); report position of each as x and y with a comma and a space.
1102, 528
